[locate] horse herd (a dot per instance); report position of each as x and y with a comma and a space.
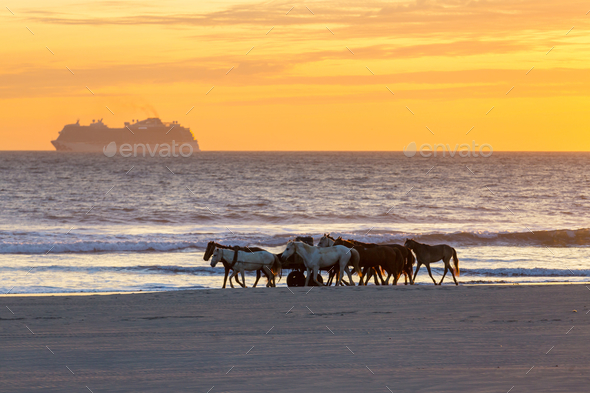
335, 256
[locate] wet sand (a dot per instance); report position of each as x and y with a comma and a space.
482, 338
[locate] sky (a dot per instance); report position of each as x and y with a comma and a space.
316, 75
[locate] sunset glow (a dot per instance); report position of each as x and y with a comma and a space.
302, 76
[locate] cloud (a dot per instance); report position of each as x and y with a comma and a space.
256, 75
379, 18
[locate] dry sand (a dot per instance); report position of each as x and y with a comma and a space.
481, 338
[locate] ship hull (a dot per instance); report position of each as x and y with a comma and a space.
83, 147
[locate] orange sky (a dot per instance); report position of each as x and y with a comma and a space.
300, 88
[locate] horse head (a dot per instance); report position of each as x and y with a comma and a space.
209, 250
409, 243
324, 241
217, 254
290, 250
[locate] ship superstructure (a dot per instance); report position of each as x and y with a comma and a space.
94, 137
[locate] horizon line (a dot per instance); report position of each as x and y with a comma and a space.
316, 151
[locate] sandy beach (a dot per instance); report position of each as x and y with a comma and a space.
416, 338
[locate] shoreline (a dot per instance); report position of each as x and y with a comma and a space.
47, 294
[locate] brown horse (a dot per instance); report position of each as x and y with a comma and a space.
228, 264
406, 254
328, 240
426, 254
378, 257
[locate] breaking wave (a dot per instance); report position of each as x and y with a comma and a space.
41, 243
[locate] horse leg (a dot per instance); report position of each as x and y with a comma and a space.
234, 275
366, 276
272, 279
347, 270
338, 275
388, 277
378, 270
370, 274
257, 278
415, 274
308, 271
225, 277
315, 278
269, 280
330, 278
369, 271
342, 265
430, 273
444, 274
375, 274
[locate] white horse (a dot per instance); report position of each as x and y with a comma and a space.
328, 241
249, 261
316, 258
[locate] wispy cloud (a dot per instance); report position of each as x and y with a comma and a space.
459, 54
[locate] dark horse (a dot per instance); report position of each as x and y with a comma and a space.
406, 254
426, 254
228, 264
377, 257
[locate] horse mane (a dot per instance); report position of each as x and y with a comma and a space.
415, 242
327, 235
303, 244
305, 239
238, 248
341, 241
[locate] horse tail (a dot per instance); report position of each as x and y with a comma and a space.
456, 260
410, 264
277, 268
411, 259
354, 260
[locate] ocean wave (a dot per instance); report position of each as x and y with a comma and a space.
87, 246
138, 269
523, 272
20, 242
219, 271
505, 272
549, 238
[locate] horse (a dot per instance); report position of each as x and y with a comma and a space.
426, 254
316, 258
377, 258
328, 240
406, 253
228, 264
249, 261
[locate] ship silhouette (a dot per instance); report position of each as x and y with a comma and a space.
96, 136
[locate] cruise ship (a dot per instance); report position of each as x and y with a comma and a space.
151, 132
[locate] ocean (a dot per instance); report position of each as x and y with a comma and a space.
76, 222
